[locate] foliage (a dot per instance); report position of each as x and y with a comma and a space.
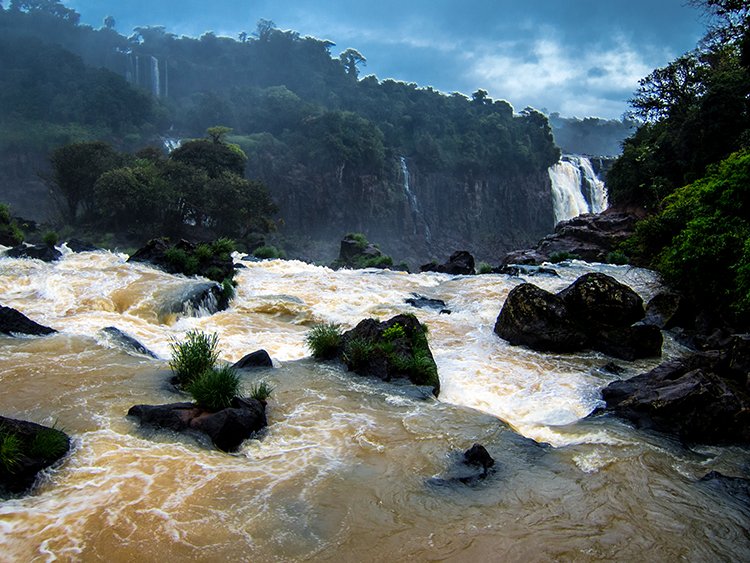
215, 388
394, 332
360, 239
197, 354
268, 252
49, 443
261, 391
484, 268
324, 340
10, 233
698, 242
617, 257
558, 257
358, 352
10, 450
50, 238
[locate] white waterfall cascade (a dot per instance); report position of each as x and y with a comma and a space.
576, 189
413, 203
155, 86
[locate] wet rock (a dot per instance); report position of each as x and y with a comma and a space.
517, 270
160, 252
422, 302
690, 397
227, 428
600, 299
630, 342
356, 252
192, 300
43, 252
478, 456
127, 342
460, 263
613, 368
77, 245
394, 349
257, 359
737, 488
15, 322
470, 468
38, 447
540, 320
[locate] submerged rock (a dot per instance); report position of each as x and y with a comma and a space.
396, 348
126, 341
696, 398
227, 428
15, 322
257, 359
460, 263
196, 299
596, 311
43, 252
422, 302
27, 449
471, 467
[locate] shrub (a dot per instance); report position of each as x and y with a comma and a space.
419, 367
617, 257
361, 239
10, 450
376, 262
223, 247
268, 253
214, 389
558, 257
484, 268
50, 238
8, 227
182, 261
261, 391
394, 333
203, 252
358, 352
324, 340
49, 443
228, 289
196, 355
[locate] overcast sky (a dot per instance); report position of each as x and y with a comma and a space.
577, 57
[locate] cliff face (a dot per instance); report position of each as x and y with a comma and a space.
429, 216
21, 184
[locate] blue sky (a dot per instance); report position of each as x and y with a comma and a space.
577, 57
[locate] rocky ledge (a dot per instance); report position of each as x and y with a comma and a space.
14, 322
596, 311
460, 263
227, 428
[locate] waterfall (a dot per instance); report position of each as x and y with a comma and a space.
416, 214
576, 189
155, 86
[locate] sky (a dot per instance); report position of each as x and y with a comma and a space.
579, 58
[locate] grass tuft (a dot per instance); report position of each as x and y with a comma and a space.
49, 443
215, 388
324, 340
261, 391
193, 357
10, 450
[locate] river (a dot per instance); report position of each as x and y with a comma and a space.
345, 470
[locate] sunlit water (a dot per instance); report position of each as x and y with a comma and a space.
342, 472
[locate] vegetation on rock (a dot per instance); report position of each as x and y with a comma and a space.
10, 233
215, 388
324, 340
194, 356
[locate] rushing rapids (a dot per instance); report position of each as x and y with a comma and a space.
346, 463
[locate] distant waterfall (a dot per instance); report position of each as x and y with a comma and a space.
576, 189
416, 214
155, 86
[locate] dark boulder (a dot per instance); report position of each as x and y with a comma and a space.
356, 252
460, 263
37, 447
14, 322
689, 397
227, 428
517, 270
600, 299
469, 468
176, 259
193, 299
629, 342
257, 359
43, 252
422, 302
77, 245
394, 349
127, 342
478, 456
540, 320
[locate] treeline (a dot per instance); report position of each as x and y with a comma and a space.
591, 135
689, 166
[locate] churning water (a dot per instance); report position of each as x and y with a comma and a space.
343, 472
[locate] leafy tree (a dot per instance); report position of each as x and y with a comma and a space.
212, 156
109, 22
350, 59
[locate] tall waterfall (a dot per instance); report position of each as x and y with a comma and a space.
416, 214
576, 189
155, 86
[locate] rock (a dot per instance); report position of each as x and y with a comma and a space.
737, 488
422, 302
630, 342
193, 299
357, 252
688, 397
667, 309
42, 252
517, 270
14, 322
478, 456
77, 245
600, 299
460, 263
31, 458
126, 341
613, 368
257, 359
159, 252
590, 237
471, 467
396, 348
540, 320
227, 428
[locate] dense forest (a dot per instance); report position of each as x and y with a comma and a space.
688, 165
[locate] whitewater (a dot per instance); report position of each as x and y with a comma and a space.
344, 470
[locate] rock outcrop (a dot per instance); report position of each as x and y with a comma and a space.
28, 448
470, 468
126, 342
596, 311
702, 398
460, 263
257, 359
357, 252
589, 237
184, 257
43, 252
15, 322
227, 428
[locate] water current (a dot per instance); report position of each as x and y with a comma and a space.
343, 472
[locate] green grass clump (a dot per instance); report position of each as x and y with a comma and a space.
360, 239
49, 443
215, 388
193, 357
261, 391
9, 227
268, 252
376, 262
182, 261
223, 247
358, 352
203, 252
484, 268
324, 340
394, 333
558, 257
10, 450
50, 238
617, 257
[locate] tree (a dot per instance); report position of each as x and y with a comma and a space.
213, 157
350, 59
264, 29
75, 170
109, 22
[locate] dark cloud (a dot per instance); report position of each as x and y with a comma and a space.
578, 57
